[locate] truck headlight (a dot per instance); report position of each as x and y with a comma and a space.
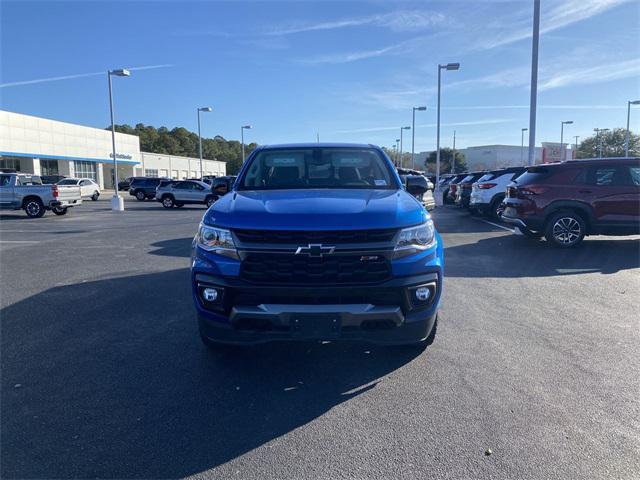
415, 239
216, 240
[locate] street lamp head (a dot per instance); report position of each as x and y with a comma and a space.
421, 109
525, 129
246, 126
635, 102
397, 139
121, 72
452, 66
205, 109
405, 128
568, 122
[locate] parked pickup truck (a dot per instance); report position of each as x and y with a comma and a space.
26, 192
318, 242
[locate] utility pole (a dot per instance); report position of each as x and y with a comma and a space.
522, 145
576, 137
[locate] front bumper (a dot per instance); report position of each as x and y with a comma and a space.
318, 313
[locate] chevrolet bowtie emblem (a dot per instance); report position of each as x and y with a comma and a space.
315, 250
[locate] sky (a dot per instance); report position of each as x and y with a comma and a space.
347, 71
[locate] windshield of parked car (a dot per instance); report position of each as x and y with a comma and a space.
68, 181
322, 167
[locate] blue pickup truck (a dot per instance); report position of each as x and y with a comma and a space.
317, 241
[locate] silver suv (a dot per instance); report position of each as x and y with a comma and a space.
179, 193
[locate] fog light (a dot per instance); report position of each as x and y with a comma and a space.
210, 294
423, 294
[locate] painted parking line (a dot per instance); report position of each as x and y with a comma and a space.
19, 241
512, 230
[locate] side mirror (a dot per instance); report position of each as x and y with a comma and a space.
220, 187
416, 185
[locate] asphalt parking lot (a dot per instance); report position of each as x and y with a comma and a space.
103, 374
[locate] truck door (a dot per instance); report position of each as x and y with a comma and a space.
6, 191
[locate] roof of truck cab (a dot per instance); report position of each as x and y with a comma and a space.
316, 145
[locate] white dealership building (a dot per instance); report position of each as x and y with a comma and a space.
48, 147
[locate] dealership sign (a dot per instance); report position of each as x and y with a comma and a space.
121, 156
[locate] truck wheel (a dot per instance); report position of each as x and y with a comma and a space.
167, 202
565, 229
34, 208
59, 211
95, 196
140, 196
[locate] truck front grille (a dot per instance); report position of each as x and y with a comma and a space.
305, 237
303, 270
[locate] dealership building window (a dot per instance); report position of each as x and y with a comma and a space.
85, 169
10, 162
151, 172
48, 167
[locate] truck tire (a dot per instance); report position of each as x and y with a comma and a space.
140, 196
95, 196
167, 201
565, 229
59, 211
33, 207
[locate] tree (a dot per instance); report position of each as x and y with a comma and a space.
183, 142
612, 143
446, 155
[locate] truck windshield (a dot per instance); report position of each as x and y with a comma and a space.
322, 167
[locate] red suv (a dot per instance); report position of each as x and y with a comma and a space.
566, 201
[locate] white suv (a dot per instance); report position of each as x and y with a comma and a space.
487, 193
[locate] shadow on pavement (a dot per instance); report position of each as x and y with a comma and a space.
116, 383
177, 247
518, 256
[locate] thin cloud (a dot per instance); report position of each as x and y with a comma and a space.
591, 75
401, 21
562, 14
77, 75
491, 121
349, 57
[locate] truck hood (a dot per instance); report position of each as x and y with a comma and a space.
320, 209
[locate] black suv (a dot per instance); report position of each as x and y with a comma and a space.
144, 187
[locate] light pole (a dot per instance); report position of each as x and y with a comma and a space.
533, 101
397, 149
242, 129
117, 202
599, 139
626, 138
576, 137
438, 193
522, 145
562, 124
201, 109
413, 135
401, 129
